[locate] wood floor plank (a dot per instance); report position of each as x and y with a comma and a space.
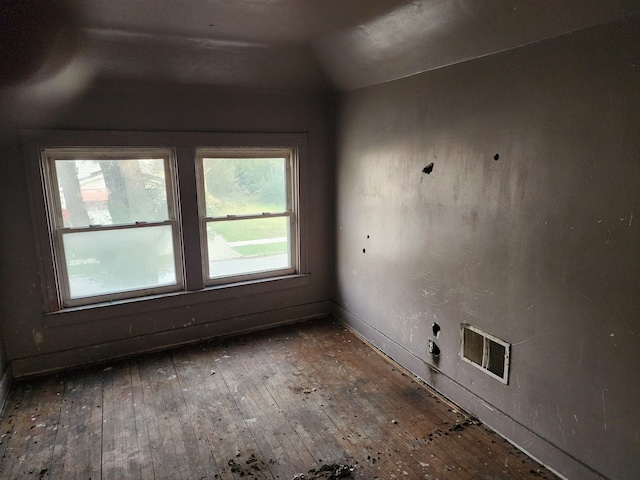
36, 427
198, 449
15, 424
264, 406
205, 399
175, 442
308, 418
213, 405
120, 441
143, 438
244, 417
15, 398
78, 448
264, 419
149, 417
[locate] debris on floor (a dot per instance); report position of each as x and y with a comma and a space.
326, 472
459, 427
252, 467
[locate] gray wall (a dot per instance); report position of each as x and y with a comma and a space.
37, 343
539, 248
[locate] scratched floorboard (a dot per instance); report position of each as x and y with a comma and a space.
262, 406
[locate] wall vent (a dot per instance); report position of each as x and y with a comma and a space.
485, 352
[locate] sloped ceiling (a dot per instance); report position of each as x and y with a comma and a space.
298, 44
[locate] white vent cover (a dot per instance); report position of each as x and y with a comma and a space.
485, 352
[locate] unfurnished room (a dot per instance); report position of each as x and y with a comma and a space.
320, 239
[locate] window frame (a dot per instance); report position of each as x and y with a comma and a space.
184, 145
57, 230
291, 212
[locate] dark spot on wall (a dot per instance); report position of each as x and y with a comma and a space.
364, 250
368, 236
436, 329
433, 348
496, 157
428, 169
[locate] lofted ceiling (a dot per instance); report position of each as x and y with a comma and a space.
283, 44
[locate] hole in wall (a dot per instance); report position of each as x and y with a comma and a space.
436, 329
496, 157
428, 169
364, 250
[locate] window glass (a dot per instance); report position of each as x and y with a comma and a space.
247, 213
248, 246
111, 192
111, 261
242, 186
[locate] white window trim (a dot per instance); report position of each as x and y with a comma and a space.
184, 145
57, 229
291, 212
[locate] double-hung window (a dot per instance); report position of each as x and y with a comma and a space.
112, 214
248, 212
127, 215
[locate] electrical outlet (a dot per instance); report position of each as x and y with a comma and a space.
433, 348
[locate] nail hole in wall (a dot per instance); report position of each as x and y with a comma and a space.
496, 157
364, 250
428, 169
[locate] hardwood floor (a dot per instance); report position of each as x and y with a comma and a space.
265, 406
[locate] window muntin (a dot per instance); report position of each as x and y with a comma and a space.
248, 213
113, 222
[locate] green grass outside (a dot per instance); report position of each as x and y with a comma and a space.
263, 249
253, 229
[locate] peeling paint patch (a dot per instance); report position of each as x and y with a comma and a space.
37, 337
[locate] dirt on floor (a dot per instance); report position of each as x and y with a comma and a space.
326, 472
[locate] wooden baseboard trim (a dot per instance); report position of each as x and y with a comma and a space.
127, 347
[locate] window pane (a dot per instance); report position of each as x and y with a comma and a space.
239, 247
243, 186
111, 192
112, 261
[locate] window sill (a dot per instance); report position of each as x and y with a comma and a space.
133, 306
